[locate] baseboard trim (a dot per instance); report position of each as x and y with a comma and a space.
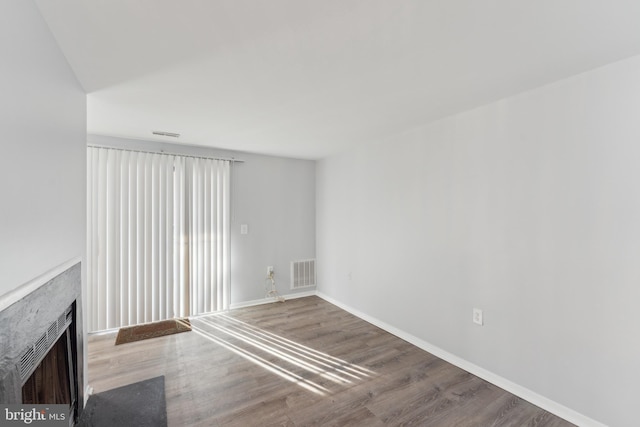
522, 392
251, 303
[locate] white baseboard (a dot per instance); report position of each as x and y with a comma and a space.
251, 303
522, 392
88, 391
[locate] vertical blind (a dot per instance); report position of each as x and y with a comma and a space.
159, 236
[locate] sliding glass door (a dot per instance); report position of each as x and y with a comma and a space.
158, 236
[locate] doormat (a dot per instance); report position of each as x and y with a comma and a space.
140, 404
152, 330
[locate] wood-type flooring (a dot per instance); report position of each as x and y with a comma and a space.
304, 362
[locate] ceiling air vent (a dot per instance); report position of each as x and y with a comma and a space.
161, 133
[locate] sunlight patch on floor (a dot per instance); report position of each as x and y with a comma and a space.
297, 363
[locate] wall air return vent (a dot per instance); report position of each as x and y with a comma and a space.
303, 273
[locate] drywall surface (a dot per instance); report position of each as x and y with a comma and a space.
42, 178
528, 209
274, 197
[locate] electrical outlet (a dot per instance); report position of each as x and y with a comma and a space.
477, 316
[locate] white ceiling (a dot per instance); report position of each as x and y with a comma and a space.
309, 78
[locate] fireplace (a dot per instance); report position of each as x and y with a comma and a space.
41, 343
52, 380
48, 367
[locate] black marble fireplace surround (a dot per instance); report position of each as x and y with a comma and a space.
23, 323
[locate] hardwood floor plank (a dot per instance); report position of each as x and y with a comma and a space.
304, 362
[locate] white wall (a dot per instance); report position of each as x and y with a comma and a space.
42, 177
275, 197
528, 208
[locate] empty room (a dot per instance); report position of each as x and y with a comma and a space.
306, 212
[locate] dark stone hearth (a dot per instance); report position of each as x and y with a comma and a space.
141, 404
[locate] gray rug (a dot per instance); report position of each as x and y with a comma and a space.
139, 404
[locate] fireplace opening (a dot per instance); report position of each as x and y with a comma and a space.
48, 367
50, 382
